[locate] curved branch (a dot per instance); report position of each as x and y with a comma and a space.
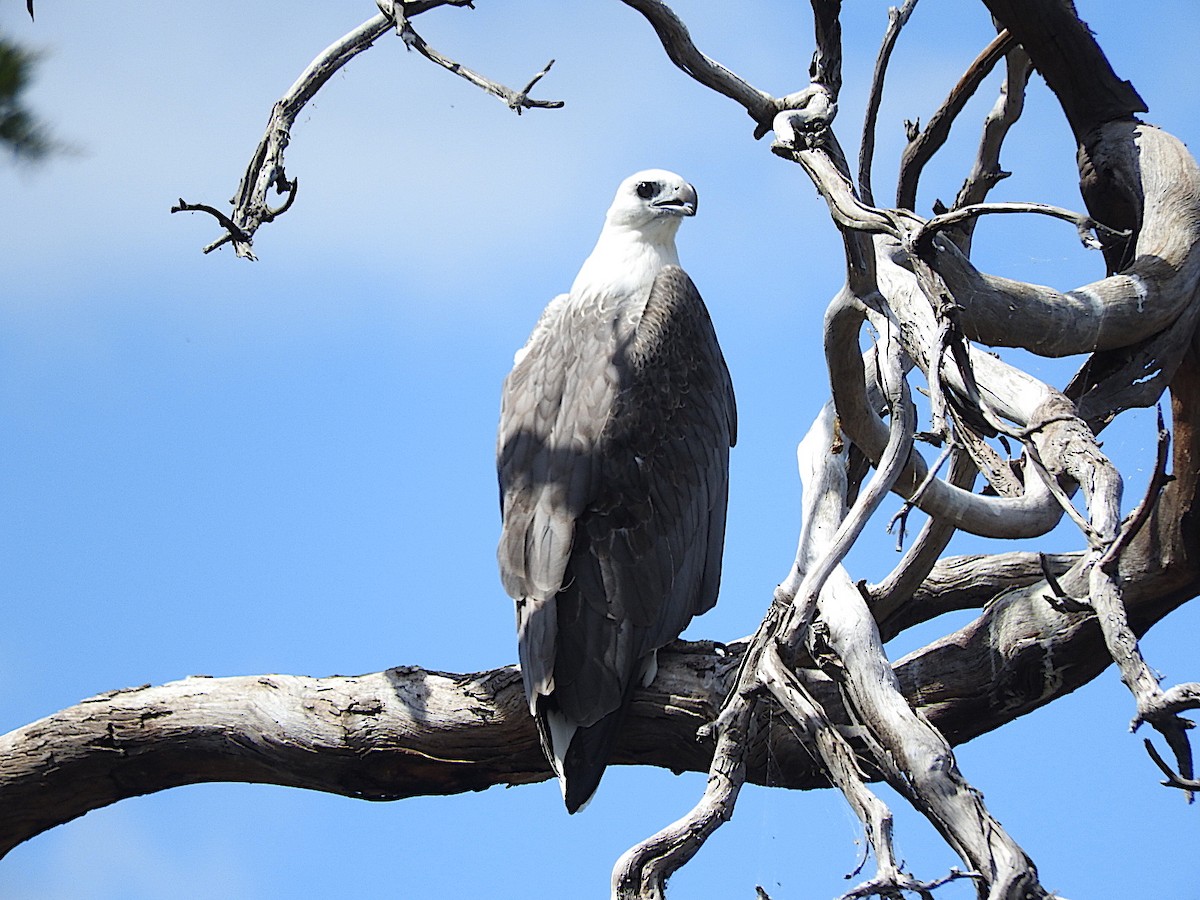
250, 206
922, 237
409, 732
251, 210
1159, 284
923, 146
1036, 512
673, 34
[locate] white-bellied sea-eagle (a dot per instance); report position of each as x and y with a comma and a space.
613, 457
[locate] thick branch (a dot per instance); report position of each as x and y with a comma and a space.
408, 732
1067, 55
1162, 181
909, 753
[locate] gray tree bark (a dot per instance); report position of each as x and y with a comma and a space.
813, 688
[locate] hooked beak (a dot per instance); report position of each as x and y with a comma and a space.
682, 202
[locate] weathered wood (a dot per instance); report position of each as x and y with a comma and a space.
408, 732
1064, 50
1161, 184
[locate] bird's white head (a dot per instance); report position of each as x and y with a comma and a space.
638, 238
652, 201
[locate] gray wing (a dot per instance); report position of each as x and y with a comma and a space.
613, 460
648, 546
554, 407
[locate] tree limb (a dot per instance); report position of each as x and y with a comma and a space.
265, 171
897, 18
923, 146
409, 732
686, 55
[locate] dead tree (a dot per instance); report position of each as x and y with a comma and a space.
1018, 454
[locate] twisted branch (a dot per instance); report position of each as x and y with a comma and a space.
251, 209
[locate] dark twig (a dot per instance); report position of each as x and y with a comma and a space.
1188, 785
888, 596
266, 169
901, 517
1094, 537
1062, 601
233, 233
897, 18
1159, 479
923, 146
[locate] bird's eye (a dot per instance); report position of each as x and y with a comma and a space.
646, 189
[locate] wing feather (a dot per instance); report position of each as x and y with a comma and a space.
613, 456
656, 525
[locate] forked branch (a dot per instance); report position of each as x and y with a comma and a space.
924, 145
251, 208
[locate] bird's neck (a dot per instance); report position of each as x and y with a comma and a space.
626, 260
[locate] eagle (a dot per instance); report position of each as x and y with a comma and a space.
613, 460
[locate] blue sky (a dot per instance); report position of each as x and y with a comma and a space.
220, 467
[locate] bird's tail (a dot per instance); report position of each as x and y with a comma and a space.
579, 754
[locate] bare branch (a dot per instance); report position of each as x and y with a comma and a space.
675, 39
924, 889
515, 100
816, 569
1174, 779
1155, 290
839, 761
986, 172
1035, 512
251, 209
897, 19
921, 148
896, 590
1085, 225
1066, 54
909, 753
826, 68
1159, 479
642, 871
250, 206
231, 229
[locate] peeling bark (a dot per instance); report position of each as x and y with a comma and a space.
411, 732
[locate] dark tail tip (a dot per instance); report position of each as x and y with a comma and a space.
587, 759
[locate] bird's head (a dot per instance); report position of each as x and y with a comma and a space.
652, 201
638, 237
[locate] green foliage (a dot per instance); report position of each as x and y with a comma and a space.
20, 131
